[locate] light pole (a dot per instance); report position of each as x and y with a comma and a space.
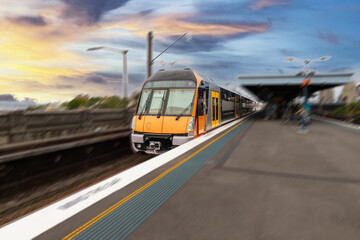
306, 62
125, 74
306, 73
151, 60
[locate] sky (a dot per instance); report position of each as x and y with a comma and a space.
43, 43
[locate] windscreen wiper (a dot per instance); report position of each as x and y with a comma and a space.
162, 104
180, 114
145, 107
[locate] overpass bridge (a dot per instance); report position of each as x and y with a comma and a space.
249, 179
287, 87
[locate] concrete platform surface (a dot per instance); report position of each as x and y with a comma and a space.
262, 180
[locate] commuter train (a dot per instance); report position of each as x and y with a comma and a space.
177, 106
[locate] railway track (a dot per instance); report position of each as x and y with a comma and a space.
31, 178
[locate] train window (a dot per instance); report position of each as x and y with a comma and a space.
180, 101
200, 107
157, 101
144, 97
201, 102
170, 84
217, 108
213, 108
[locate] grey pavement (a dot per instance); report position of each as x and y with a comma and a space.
272, 184
268, 182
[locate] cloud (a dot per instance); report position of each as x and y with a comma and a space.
136, 78
209, 41
261, 4
94, 78
8, 98
115, 78
100, 78
147, 12
112, 77
109, 75
29, 100
128, 43
91, 77
288, 52
29, 20
298, 67
341, 69
9, 102
63, 86
44, 54
90, 11
219, 64
195, 44
11, 98
328, 37
33, 85
178, 24
41, 54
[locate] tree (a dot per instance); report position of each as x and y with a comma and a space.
112, 102
93, 100
34, 108
76, 102
351, 110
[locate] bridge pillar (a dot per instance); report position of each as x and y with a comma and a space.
268, 107
16, 126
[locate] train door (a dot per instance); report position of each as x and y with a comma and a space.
214, 109
205, 98
201, 112
217, 109
237, 107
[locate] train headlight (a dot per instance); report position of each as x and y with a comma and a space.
191, 125
133, 123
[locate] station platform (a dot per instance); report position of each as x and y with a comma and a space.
255, 179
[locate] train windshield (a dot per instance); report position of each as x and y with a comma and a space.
144, 101
157, 101
167, 96
177, 101
180, 101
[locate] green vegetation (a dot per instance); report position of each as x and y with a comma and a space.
111, 102
350, 110
39, 107
77, 102
92, 101
84, 102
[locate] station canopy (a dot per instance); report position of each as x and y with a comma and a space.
287, 87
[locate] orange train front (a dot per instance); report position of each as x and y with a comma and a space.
177, 106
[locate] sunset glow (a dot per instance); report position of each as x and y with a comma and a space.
42, 45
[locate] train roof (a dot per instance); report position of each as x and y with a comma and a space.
185, 74
182, 74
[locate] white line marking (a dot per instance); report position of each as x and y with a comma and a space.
352, 126
42, 220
